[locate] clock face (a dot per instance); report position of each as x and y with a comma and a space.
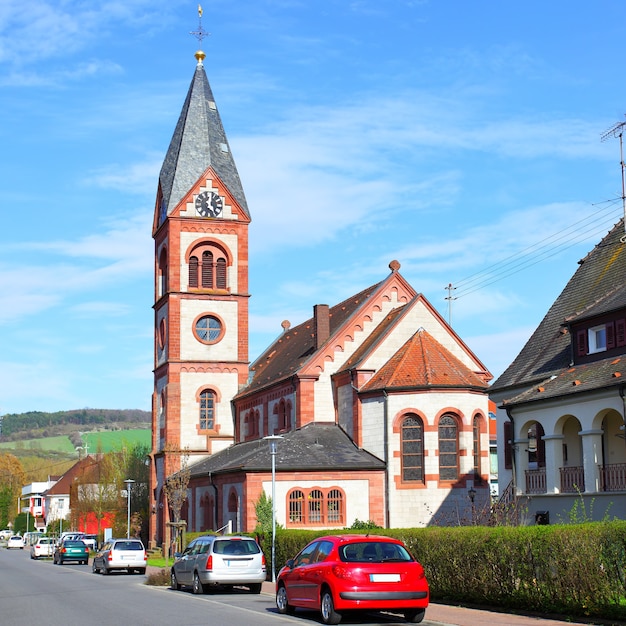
209, 204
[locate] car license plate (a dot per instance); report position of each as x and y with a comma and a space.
385, 578
237, 563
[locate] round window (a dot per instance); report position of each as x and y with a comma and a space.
208, 329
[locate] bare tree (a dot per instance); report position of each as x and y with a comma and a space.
175, 489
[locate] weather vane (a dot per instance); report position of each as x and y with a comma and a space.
199, 34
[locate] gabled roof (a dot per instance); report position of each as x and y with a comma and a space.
296, 347
548, 351
199, 142
62, 486
423, 363
326, 444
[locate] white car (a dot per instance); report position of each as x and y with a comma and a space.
44, 547
120, 554
15, 542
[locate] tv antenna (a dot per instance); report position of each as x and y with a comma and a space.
617, 130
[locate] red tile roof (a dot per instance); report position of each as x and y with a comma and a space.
422, 362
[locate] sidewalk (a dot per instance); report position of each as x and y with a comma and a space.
445, 615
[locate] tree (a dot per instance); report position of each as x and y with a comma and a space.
12, 479
175, 489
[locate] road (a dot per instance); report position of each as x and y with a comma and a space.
33, 592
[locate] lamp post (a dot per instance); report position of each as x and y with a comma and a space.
128, 482
471, 492
273, 441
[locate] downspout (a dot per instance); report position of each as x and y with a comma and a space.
215, 505
509, 414
386, 455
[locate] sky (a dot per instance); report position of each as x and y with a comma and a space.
471, 141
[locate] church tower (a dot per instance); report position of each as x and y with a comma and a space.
201, 294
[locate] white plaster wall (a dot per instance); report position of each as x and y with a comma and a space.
193, 350
356, 491
190, 383
323, 400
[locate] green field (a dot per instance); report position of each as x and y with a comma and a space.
55, 444
104, 441
107, 441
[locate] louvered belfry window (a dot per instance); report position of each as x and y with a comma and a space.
221, 273
193, 271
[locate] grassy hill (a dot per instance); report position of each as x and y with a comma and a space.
47, 443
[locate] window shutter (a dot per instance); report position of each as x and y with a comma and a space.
581, 340
620, 333
207, 270
221, 273
193, 271
610, 335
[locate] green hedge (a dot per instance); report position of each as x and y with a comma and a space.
576, 570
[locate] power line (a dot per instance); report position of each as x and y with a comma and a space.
590, 227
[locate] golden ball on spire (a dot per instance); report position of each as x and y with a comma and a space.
200, 56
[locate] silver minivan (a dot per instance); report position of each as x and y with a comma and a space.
226, 561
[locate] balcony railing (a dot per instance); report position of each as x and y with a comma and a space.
572, 479
536, 480
613, 477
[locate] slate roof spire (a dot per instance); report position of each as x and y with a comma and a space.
199, 142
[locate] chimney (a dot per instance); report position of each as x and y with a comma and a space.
321, 320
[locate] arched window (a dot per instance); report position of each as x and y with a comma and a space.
448, 448
162, 283
208, 267
296, 507
334, 506
412, 449
316, 505
476, 448
207, 410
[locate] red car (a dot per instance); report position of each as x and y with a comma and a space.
346, 572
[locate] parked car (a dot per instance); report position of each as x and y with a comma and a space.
71, 550
338, 573
15, 541
43, 547
120, 554
5, 534
211, 560
91, 541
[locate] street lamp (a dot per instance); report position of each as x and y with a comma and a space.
471, 492
128, 482
273, 441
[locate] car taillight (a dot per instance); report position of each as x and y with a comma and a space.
110, 556
263, 562
340, 571
209, 562
145, 555
63, 550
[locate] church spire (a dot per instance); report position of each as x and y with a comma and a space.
199, 142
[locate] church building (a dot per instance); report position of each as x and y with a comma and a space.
381, 408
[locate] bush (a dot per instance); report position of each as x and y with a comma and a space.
159, 579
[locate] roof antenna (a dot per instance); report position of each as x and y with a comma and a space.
200, 34
617, 130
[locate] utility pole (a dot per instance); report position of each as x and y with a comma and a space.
449, 298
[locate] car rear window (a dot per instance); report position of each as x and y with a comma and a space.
367, 551
128, 545
74, 544
235, 546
